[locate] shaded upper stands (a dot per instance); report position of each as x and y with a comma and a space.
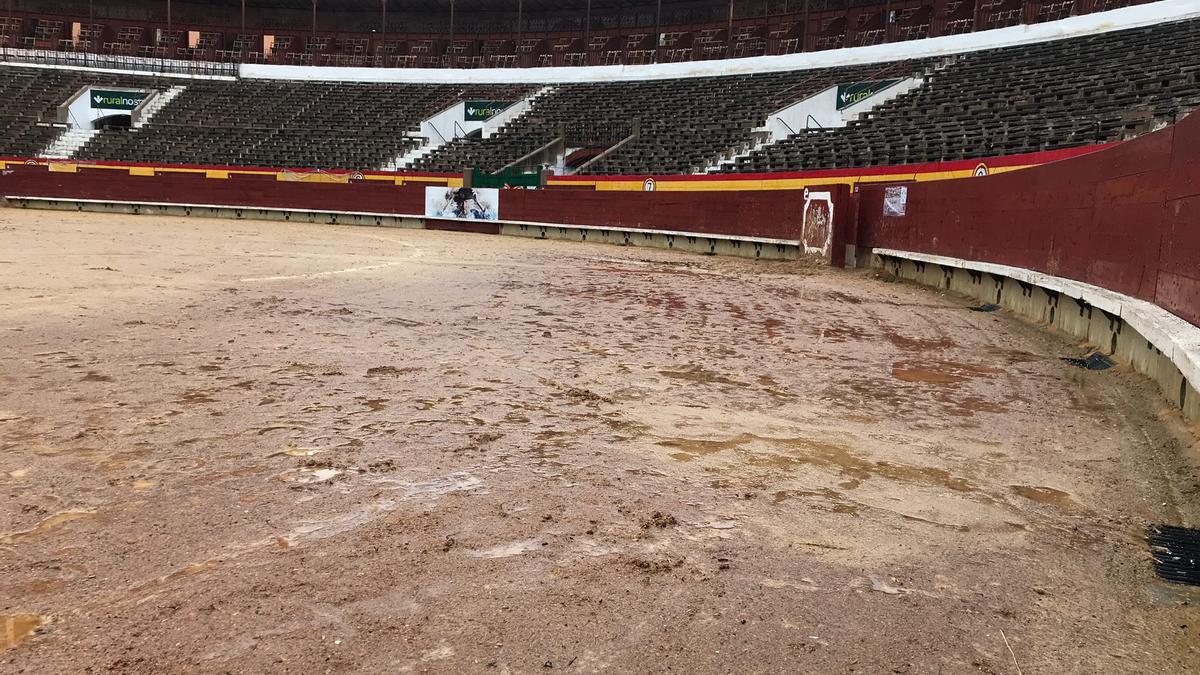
570, 33
286, 124
673, 126
32, 97
1019, 99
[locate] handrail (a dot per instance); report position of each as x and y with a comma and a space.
435, 130
528, 155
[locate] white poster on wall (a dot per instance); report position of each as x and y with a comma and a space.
462, 203
895, 200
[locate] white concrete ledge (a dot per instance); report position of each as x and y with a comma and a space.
1176, 338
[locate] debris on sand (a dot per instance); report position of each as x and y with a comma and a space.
382, 371
660, 520
382, 466
585, 395
652, 565
1093, 361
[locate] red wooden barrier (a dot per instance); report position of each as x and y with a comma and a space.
1126, 218
769, 214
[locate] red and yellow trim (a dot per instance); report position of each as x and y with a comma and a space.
791, 180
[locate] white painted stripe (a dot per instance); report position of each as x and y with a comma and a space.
314, 275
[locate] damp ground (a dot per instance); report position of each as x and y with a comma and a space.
252, 447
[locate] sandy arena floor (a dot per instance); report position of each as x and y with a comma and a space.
252, 447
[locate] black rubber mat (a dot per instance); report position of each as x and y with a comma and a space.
1093, 361
990, 307
1176, 552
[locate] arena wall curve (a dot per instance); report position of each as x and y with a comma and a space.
1103, 246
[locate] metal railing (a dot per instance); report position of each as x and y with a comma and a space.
118, 62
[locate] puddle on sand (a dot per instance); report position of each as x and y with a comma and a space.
836, 502
46, 525
798, 452
1045, 495
693, 373
507, 550
940, 372
16, 628
919, 344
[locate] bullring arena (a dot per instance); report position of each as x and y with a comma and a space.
576, 396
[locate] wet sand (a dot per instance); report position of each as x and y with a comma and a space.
251, 447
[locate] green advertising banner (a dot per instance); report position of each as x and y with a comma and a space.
854, 92
481, 111
117, 100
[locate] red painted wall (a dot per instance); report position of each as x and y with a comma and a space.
1126, 218
773, 214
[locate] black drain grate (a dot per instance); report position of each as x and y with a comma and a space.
1093, 361
1176, 552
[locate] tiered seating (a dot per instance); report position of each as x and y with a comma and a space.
10, 30
328, 125
682, 126
28, 126
129, 38
1019, 99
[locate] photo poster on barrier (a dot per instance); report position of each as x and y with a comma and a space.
462, 203
895, 200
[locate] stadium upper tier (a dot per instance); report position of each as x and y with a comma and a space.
507, 33
860, 109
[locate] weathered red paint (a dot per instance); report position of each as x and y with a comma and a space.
1126, 218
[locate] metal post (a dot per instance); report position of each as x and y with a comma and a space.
887, 21
587, 23
168, 27
657, 29
520, 15
314, 29
451, 27
804, 33
729, 33
91, 21
383, 21
243, 33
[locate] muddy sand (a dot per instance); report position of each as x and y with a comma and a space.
268, 447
